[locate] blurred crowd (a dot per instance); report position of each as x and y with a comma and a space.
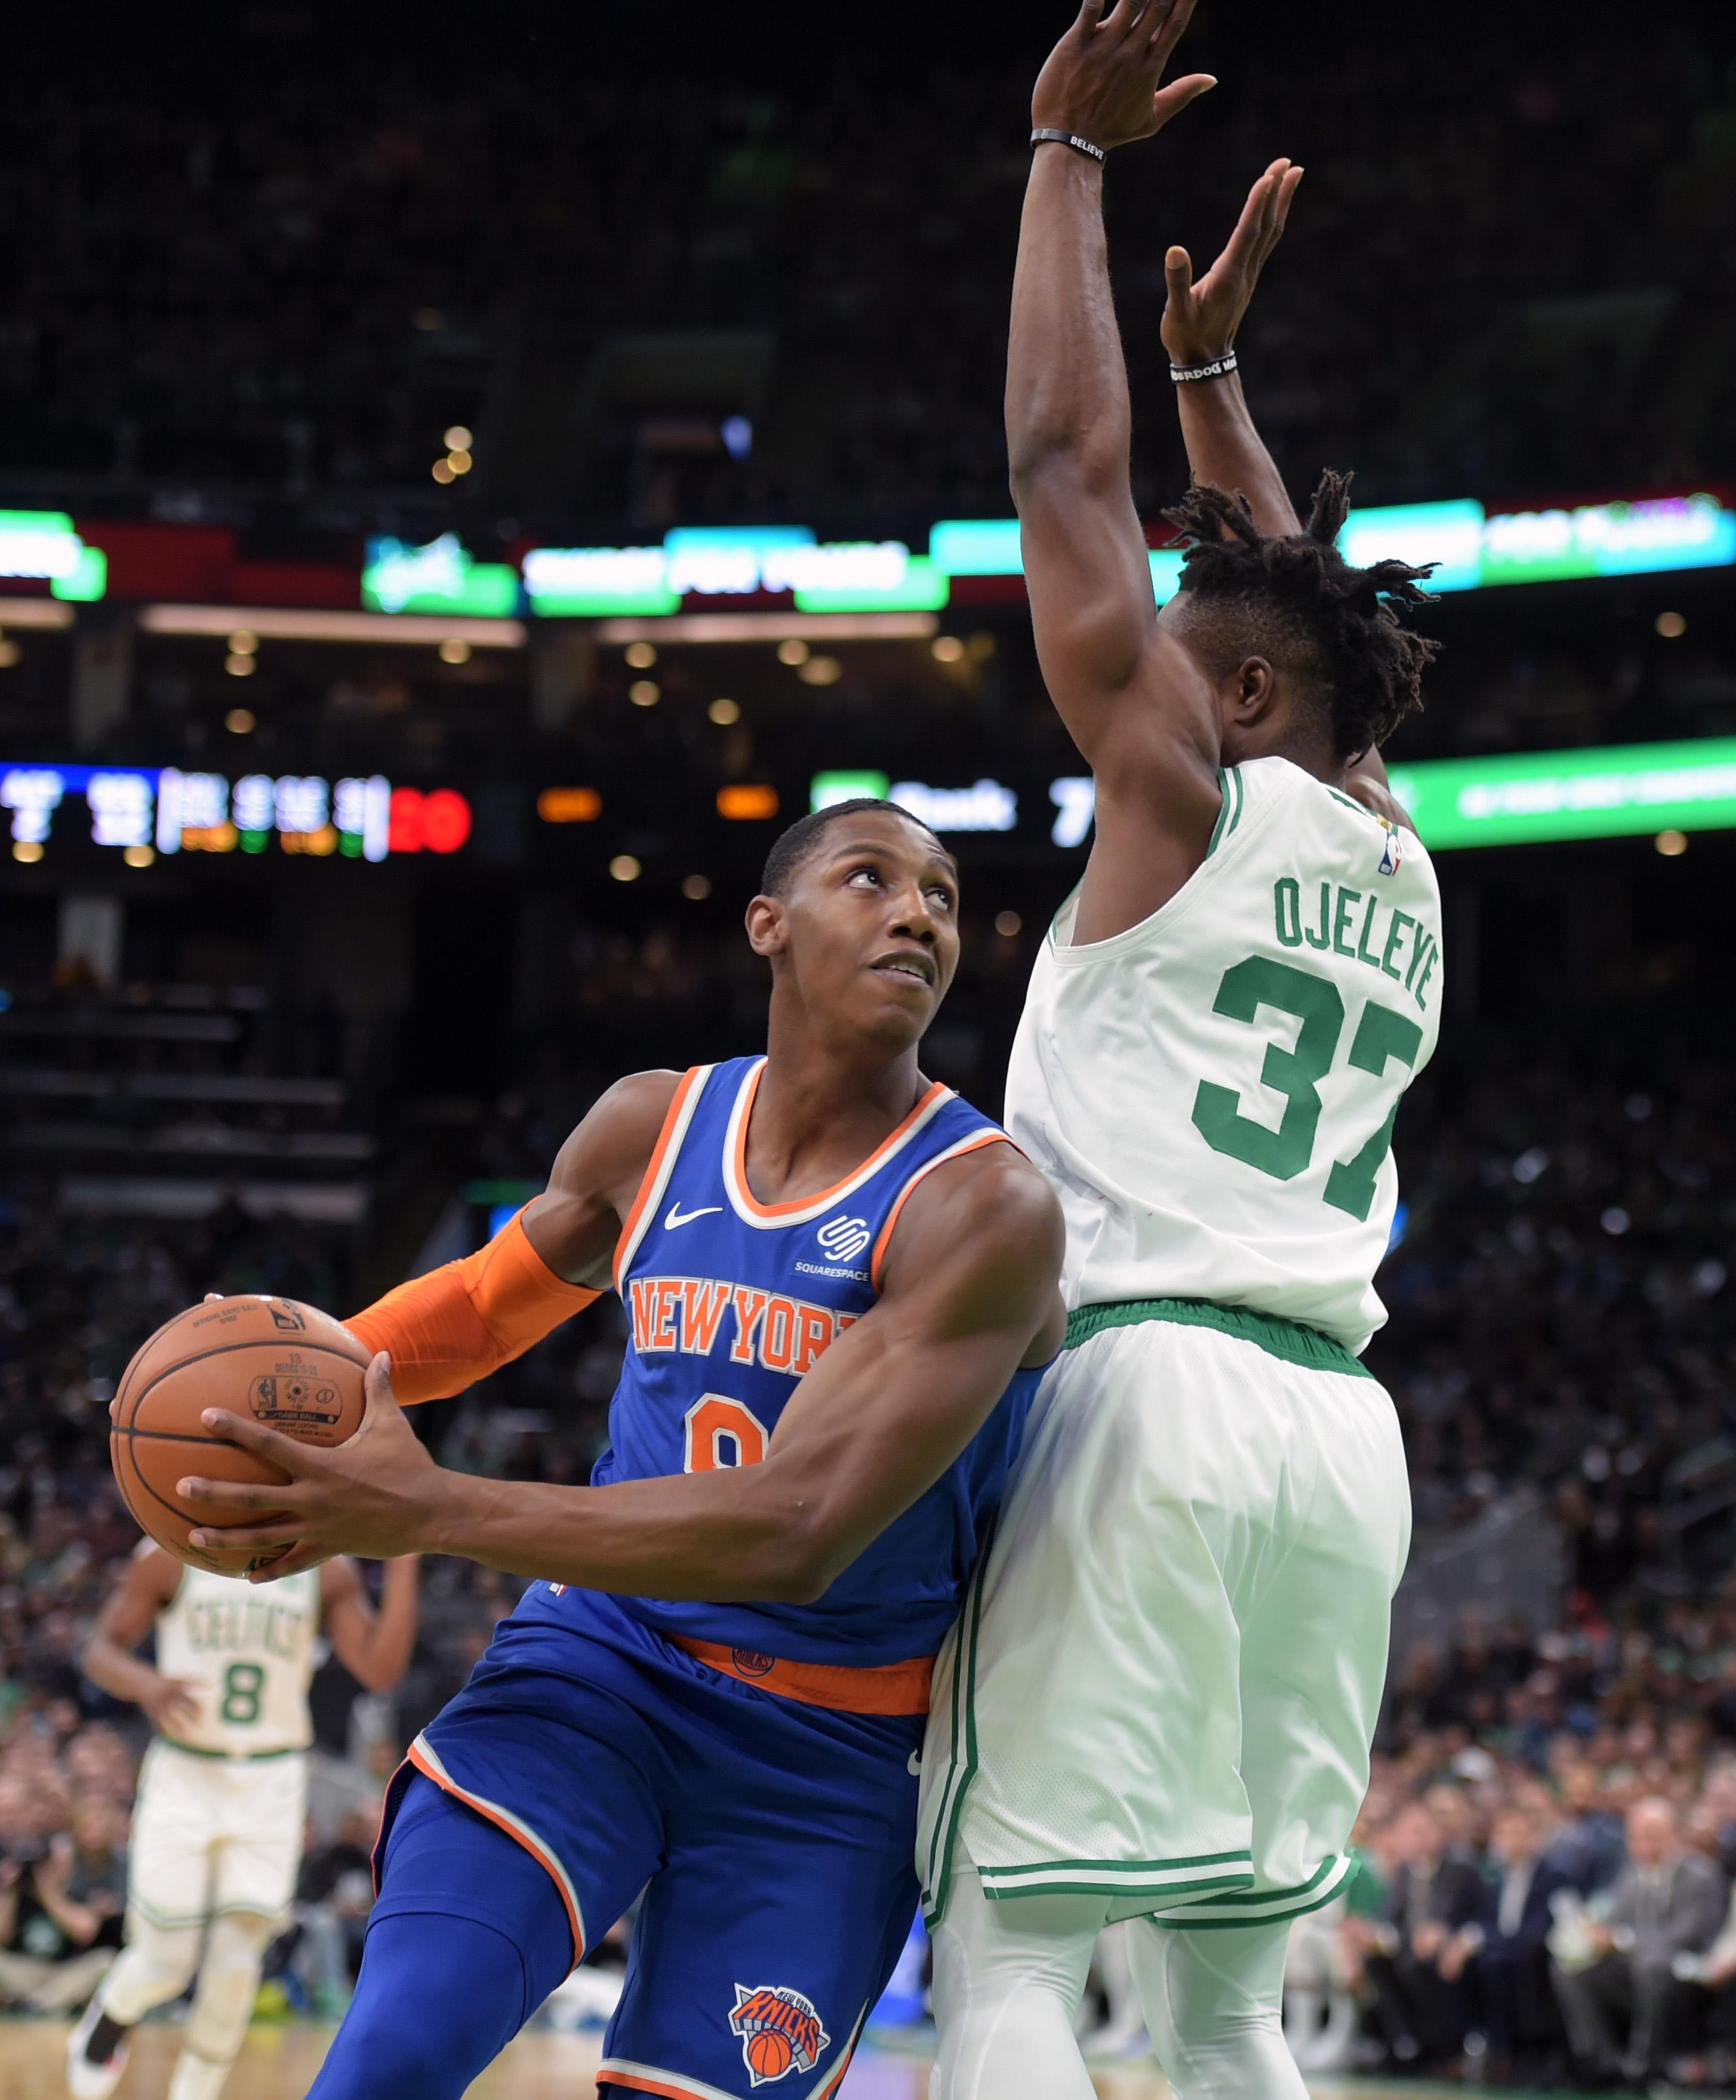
1546, 1901
1561, 1300
1518, 250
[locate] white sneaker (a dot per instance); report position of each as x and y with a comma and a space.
87, 2079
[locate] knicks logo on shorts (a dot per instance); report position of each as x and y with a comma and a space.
780, 2032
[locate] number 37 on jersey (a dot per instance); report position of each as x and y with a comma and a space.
1308, 1017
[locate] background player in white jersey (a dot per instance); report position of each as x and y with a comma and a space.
217, 1830
1159, 1700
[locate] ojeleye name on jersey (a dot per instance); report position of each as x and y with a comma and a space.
1362, 926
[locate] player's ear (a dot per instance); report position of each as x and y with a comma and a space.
1248, 696
767, 926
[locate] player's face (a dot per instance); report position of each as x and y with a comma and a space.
871, 926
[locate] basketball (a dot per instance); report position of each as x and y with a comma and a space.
289, 1366
769, 2054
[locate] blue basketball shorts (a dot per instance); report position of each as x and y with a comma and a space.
773, 1842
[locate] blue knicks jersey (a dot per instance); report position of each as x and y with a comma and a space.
731, 1301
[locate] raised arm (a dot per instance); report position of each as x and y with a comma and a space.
374, 1646
1137, 704
968, 1294
446, 1329
1200, 327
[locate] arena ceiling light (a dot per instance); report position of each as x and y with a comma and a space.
288, 624
44, 612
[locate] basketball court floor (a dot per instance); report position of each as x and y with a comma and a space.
279, 2063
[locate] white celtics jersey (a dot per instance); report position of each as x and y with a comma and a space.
1212, 1091
249, 1649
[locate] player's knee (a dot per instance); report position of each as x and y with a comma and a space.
1213, 2003
158, 1964
228, 1983
438, 1998
384, 2052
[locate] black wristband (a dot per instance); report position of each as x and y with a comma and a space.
1219, 368
1047, 135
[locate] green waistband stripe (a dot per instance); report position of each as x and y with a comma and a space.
1288, 1340
234, 1756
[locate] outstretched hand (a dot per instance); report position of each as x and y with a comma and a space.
376, 1494
1200, 321
1100, 81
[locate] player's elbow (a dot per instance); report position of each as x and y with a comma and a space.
1051, 457
376, 1676
803, 1561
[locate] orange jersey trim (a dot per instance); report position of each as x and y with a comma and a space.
429, 1766
821, 1197
673, 1121
974, 1143
890, 1687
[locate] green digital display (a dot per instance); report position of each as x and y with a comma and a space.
440, 577
1616, 791
44, 545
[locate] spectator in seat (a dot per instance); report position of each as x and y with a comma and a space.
61, 1895
1415, 1969
1507, 1963
1587, 1845
334, 1897
1624, 2009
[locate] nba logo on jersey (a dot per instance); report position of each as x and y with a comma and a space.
1392, 857
780, 2032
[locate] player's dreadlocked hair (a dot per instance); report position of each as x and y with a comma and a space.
1296, 600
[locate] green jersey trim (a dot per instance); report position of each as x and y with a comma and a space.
1162, 1881
963, 1766
234, 1756
1229, 811
162, 1920
1288, 1340
1225, 1913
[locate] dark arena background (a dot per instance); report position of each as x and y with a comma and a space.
467, 481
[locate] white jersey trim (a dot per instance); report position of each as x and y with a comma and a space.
649, 1200
778, 1218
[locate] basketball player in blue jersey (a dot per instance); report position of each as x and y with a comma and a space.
841, 1283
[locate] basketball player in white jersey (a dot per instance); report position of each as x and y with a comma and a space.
1159, 1700
217, 1829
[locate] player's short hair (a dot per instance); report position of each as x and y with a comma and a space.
792, 847
1294, 599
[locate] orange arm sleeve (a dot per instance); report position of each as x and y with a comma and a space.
446, 1329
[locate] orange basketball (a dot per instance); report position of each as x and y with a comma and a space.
288, 1365
769, 2053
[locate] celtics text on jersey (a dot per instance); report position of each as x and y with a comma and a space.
247, 1649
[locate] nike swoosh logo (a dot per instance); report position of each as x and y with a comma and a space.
913, 1764
678, 1217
